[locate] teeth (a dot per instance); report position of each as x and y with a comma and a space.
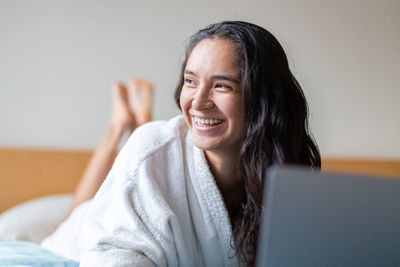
207, 122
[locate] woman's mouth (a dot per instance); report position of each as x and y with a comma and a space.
206, 122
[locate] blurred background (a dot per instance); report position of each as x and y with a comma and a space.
58, 60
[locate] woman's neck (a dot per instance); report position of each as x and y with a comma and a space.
226, 171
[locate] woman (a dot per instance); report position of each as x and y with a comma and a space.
188, 191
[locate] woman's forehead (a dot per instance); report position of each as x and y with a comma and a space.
215, 56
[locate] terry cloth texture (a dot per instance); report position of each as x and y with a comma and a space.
158, 206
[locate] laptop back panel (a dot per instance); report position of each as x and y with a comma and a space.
326, 219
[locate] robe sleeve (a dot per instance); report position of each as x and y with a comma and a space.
119, 227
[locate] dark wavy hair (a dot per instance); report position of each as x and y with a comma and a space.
276, 115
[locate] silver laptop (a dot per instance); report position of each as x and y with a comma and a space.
327, 219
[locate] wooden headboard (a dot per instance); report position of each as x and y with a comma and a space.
26, 174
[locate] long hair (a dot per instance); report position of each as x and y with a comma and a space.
276, 115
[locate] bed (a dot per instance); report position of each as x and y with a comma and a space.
31, 173
44, 180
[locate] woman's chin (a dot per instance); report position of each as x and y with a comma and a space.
205, 145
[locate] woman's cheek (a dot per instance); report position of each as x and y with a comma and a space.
184, 99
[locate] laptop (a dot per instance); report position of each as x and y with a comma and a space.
328, 219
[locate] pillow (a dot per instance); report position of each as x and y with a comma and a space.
29, 254
35, 219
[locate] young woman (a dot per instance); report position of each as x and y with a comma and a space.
187, 192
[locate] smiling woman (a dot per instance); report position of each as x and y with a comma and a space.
239, 72
211, 98
187, 192
211, 101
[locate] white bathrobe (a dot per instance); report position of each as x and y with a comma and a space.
158, 206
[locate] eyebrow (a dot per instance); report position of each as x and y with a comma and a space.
215, 77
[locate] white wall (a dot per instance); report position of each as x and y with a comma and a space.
58, 59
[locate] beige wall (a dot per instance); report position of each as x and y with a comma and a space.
58, 59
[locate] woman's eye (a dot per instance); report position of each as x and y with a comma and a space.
223, 86
189, 81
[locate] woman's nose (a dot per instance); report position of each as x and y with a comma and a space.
202, 99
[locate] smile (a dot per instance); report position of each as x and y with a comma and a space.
207, 122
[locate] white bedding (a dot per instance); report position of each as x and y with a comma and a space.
35, 219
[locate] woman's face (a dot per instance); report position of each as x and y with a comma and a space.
211, 96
